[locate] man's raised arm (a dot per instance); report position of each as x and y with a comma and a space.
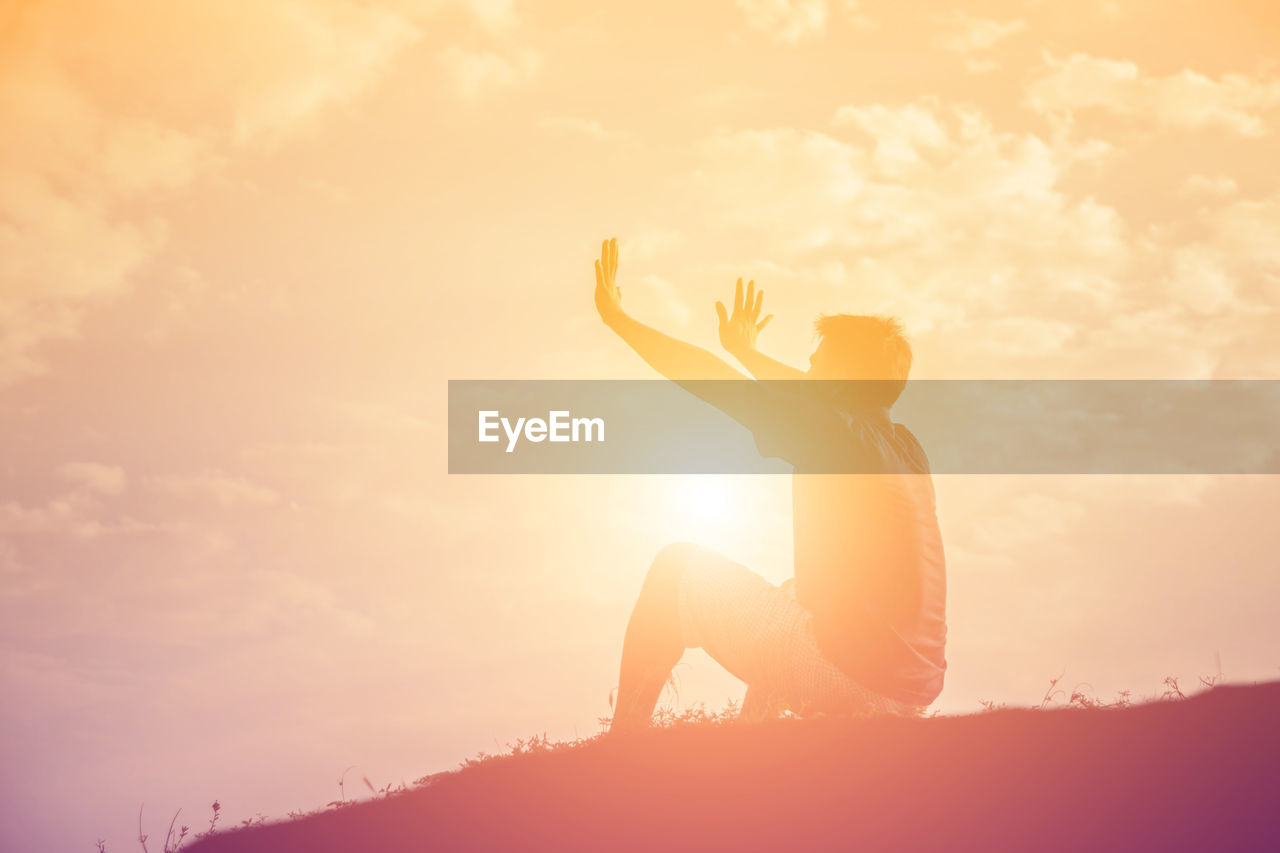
671, 357
738, 332
747, 402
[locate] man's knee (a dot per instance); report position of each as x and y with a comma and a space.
669, 565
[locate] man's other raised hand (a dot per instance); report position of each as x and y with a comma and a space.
739, 330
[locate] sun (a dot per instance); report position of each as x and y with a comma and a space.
707, 502
723, 512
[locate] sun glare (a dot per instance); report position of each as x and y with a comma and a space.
704, 501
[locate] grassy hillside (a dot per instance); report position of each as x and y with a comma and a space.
1195, 774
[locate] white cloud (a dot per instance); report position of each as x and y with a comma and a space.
786, 20
104, 479
1219, 185
667, 295
493, 14
980, 65
476, 72
1187, 100
227, 490
933, 213
1248, 228
75, 169
69, 514
929, 212
76, 512
1198, 279
968, 34
1243, 233
327, 54
273, 596
902, 135
796, 185
647, 241
576, 125
915, 172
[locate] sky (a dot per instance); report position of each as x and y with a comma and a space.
244, 246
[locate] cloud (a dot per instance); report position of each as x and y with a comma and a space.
1198, 279
10, 564
1198, 184
69, 514
980, 65
1220, 289
647, 241
919, 174
76, 168
667, 295
75, 512
928, 211
104, 479
224, 489
477, 72
791, 184
1236, 266
902, 134
1247, 229
270, 598
1236, 103
969, 34
332, 53
58, 515
786, 20
493, 14
577, 126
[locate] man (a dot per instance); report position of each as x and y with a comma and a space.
862, 626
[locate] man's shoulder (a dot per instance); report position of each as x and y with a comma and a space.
910, 449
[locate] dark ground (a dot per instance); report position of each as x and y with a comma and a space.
1195, 774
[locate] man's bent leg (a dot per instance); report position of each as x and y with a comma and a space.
653, 642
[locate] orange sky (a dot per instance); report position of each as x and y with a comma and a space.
243, 245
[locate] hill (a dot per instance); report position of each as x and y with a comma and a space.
1194, 774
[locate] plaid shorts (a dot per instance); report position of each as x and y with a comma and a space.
761, 634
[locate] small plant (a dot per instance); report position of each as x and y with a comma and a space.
172, 843
1080, 699
216, 808
1081, 695
385, 791
1053, 691
695, 715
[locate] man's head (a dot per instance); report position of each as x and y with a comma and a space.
854, 346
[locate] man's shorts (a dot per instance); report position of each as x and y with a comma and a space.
761, 634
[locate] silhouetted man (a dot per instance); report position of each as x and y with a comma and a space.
861, 628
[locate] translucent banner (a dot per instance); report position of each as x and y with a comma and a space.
963, 426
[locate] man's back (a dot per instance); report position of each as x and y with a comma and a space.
869, 565
869, 561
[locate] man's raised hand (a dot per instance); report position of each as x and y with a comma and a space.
738, 331
608, 294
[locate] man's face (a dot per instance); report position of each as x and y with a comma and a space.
823, 363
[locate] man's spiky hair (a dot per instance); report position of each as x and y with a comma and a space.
873, 347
